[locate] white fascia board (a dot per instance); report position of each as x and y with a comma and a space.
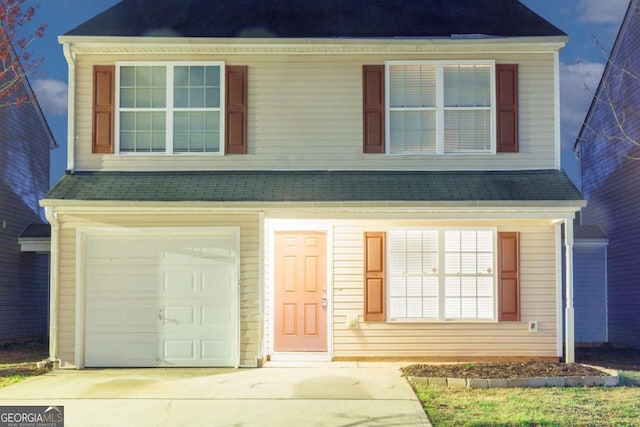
590, 242
501, 206
554, 212
194, 45
71, 106
35, 244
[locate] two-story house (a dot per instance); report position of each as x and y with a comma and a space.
306, 180
609, 152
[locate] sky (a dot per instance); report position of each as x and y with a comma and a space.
587, 22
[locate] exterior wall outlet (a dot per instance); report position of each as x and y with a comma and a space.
352, 321
533, 326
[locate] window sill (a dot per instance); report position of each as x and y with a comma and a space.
431, 321
169, 154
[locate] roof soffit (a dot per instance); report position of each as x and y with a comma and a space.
161, 45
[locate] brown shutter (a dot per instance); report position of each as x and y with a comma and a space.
507, 107
236, 110
509, 276
374, 280
373, 108
103, 107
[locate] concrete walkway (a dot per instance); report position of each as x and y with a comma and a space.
374, 395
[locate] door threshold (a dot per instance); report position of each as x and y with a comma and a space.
306, 356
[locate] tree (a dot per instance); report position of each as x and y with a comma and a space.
17, 61
614, 115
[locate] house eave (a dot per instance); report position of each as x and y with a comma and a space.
549, 209
274, 46
38, 245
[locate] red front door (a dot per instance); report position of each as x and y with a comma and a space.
300, 292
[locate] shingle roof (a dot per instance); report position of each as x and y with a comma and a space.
317, 19
317, 186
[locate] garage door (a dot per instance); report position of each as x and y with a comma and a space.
161, 300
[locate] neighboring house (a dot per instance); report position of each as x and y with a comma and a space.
305, 180
25, 144
590, 284
610, 168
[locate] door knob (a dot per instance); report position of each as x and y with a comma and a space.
324, 300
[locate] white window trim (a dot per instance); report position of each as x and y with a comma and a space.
169, 65
441, 277
440, 107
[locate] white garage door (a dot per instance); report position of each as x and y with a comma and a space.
161, 300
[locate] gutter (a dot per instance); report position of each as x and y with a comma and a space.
71, 96
128, 45
382, 206
52, 217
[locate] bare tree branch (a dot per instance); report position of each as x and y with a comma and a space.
17, 60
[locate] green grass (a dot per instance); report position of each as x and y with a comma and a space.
18, 362
571, 406
12, 379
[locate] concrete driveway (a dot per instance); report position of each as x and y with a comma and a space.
374, 395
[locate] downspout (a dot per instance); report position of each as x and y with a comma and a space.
556, 89
569, 356
54, 274
606, 293
71, 96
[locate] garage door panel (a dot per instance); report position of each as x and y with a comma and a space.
179, 282
211, 350
119, 316
180, 316
121, 350
189, 352
105, 280
199, 281
215, 315
176, 350
179, 295
219, 281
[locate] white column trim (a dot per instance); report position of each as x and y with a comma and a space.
559, 290
71, 108
54, 266
569, 356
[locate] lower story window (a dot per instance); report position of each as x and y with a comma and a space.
441, 274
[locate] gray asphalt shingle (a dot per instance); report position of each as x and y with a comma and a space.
318, 19
318, 186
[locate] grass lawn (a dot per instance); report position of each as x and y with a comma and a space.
556, 406
570, 406
18, 362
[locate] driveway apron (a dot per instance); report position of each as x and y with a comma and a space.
311, 396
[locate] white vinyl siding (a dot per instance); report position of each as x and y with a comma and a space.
305, 112
440, 107
447, 339
169, 109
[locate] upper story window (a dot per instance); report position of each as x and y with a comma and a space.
440, 107
169, 108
